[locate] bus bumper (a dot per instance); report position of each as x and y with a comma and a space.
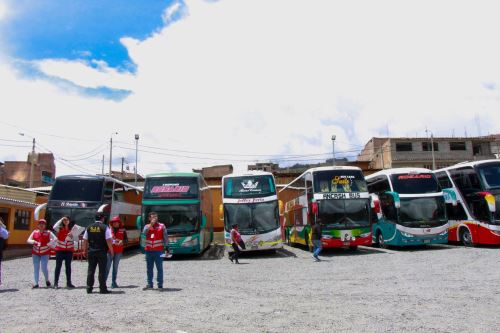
366, 240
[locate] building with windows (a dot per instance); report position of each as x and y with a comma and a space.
17, 173
383, 153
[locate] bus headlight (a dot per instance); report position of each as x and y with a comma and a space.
191, 242
444, 233
326, 236
407, 235
364, 235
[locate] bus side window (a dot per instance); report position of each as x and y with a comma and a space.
444, 180
388, 207
480, 209
456, 213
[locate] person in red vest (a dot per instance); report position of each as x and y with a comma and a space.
64, 250
156, 246
119, 240
40, 239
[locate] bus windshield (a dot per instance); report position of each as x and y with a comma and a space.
415, 183
74, 189
349, 214
339, 181
490, 175
252, 218
425, 212
255, 186
177, 218
171, 187
81, 216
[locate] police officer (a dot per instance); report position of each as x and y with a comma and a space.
98, 240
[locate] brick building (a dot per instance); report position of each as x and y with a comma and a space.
383, 153
17, 173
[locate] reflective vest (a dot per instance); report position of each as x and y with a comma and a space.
118, 236
62, 243
154, 238
44, 239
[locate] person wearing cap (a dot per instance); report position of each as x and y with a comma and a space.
4, 234
64, 250
156, 246
119, 240
40, 239
97, 241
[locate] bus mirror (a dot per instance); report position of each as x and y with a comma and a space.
490, 200
281, 208
314, 208
38, 211
221, 212
203, 221
450, 196
395, 196
138, 222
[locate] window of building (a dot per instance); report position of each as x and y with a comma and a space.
426, 146
404, 146
477, 149
22, 220
457, 145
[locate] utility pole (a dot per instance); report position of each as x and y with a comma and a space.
111, 153
333, 149
136, 150
123, 160
32, 159
432, 150
102, 171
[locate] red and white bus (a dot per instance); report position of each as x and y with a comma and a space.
476, 217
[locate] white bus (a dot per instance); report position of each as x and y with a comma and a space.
250, 200
475, 219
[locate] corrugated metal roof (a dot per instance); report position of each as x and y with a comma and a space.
18, 202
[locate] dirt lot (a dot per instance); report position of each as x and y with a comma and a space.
433, 289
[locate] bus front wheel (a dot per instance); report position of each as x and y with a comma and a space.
466, 237
380, 241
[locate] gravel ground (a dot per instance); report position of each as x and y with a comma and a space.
433, 289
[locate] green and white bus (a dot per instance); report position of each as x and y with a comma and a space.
250, 200
183, 203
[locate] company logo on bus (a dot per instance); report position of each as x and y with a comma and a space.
73, 204
250, 186
350, 195
252, 200
415, 176
170, 188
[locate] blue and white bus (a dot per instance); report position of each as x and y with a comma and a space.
412, 207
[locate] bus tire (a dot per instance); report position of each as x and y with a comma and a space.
466, 237
380, 241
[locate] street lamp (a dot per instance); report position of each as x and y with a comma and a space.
333, 149
111, 152
32, 166
136, 149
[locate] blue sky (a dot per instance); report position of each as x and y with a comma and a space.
241, 81
80, 29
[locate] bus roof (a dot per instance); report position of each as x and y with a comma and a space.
100, 177
173, 174
397, 171
248, 173
469, 164
324, 168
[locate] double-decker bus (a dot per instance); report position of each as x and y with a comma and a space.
475, 219
337, 198
250, 200
80, 197
184, 204
412, 206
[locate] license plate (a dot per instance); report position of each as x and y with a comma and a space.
426, 241
347, 243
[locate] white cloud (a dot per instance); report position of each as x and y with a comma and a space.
255, 77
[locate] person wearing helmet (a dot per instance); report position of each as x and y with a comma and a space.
119, 239
40, 239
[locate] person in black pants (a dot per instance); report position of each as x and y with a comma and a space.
98, 240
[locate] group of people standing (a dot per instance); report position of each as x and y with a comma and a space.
102, 245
